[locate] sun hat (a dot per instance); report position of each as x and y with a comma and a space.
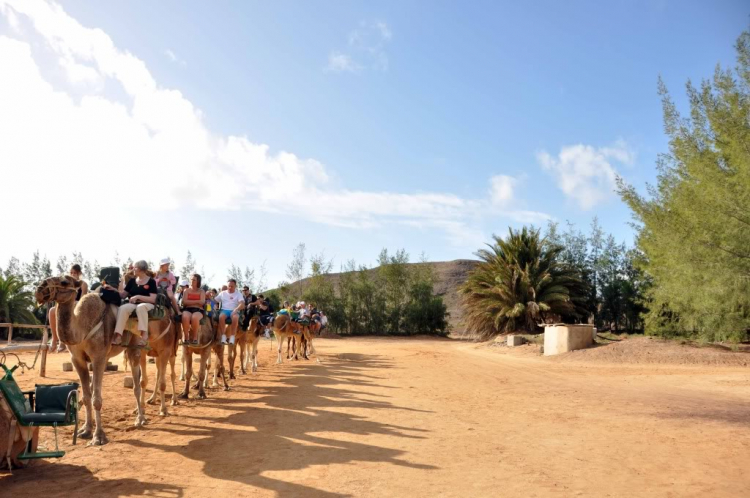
164, 261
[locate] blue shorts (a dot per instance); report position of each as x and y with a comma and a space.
226, 313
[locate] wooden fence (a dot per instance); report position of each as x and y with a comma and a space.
10, 347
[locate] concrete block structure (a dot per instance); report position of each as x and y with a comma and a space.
562, 338
515, 340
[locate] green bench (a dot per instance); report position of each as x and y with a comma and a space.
45, 406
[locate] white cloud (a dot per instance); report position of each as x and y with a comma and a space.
385, 32
366, 49
584, 173
501, 189
338, 62
174, 58
57, 145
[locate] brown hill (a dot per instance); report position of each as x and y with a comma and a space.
449, 275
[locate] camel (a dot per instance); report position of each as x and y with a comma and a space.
87, 328
285, 328
305, 339
245, 340
250, 349
208, 340
241, 342
163, 336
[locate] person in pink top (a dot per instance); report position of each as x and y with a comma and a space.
166, 282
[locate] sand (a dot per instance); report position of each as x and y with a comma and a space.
419, 417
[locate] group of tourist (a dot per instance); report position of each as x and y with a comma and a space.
190, 302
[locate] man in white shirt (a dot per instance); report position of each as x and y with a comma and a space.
231, 302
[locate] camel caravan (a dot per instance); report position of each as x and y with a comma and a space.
147, 315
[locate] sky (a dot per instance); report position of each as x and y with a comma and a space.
237, 130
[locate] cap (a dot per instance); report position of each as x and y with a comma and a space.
184, 282
164, 261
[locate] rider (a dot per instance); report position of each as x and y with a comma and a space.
75, 272
250, 307
266, 310
142, 293
166, 282
193, 301
286, 310
323, 322
211, 302
231, 303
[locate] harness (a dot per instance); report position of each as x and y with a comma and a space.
98, 326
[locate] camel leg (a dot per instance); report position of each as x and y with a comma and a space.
297, 347
161, 362
254, 355
219, 369
218, 365
231, 356
280, 340
152, 399
289, 342
144, 378
222, 371
312, 347
135, 365
83, 374
187, 368
182, 375
203, 374
243, 357
173, 376
98, 367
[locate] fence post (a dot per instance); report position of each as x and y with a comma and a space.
43, 368
10, 333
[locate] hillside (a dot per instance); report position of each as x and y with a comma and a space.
449, 275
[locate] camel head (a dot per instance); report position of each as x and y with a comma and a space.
61, 289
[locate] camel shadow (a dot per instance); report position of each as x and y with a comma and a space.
45, 478
301, 420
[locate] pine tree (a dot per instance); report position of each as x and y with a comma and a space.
694, 225
189, 267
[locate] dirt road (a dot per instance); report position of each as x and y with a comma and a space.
411, 417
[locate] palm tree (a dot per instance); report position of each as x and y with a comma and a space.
519, 282
16, 303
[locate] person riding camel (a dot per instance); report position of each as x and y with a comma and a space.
142, 293
57, 346
250, 306
231, 304
211, 304
166, 282
286, 310
193, 302
266, 310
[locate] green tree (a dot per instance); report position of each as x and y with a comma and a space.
16, 303
295, 271
320, 289
189, 267
14, 268
519, 282
393, 276
694, 224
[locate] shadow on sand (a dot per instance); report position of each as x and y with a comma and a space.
298, 417
292, 418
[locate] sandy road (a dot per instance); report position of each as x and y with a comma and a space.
413, 417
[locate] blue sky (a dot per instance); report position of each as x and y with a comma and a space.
422, 125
